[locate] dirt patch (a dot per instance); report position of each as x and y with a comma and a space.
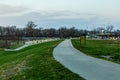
106, 56
115, 44
13, 70
9, 70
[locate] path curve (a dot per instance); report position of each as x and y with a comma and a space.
29, 43
87, 67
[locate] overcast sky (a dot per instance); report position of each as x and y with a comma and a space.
57, 13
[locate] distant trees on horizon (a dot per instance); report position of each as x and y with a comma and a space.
32, 30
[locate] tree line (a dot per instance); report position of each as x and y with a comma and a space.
32, 30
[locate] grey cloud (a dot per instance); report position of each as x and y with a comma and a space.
55, 19
59, 15
45, 17
8, 9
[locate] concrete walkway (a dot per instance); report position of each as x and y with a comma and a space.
87, 67
29, 43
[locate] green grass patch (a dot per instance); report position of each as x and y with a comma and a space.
100, 48
34, 63
16, 45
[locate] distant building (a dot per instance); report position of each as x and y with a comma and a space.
106, 35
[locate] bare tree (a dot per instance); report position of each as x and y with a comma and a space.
30, 28
109, 28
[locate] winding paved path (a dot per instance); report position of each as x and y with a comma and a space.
29, 43
87, 67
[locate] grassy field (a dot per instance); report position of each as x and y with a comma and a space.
105, 49
34, 63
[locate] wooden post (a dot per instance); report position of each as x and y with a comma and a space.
83, 40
